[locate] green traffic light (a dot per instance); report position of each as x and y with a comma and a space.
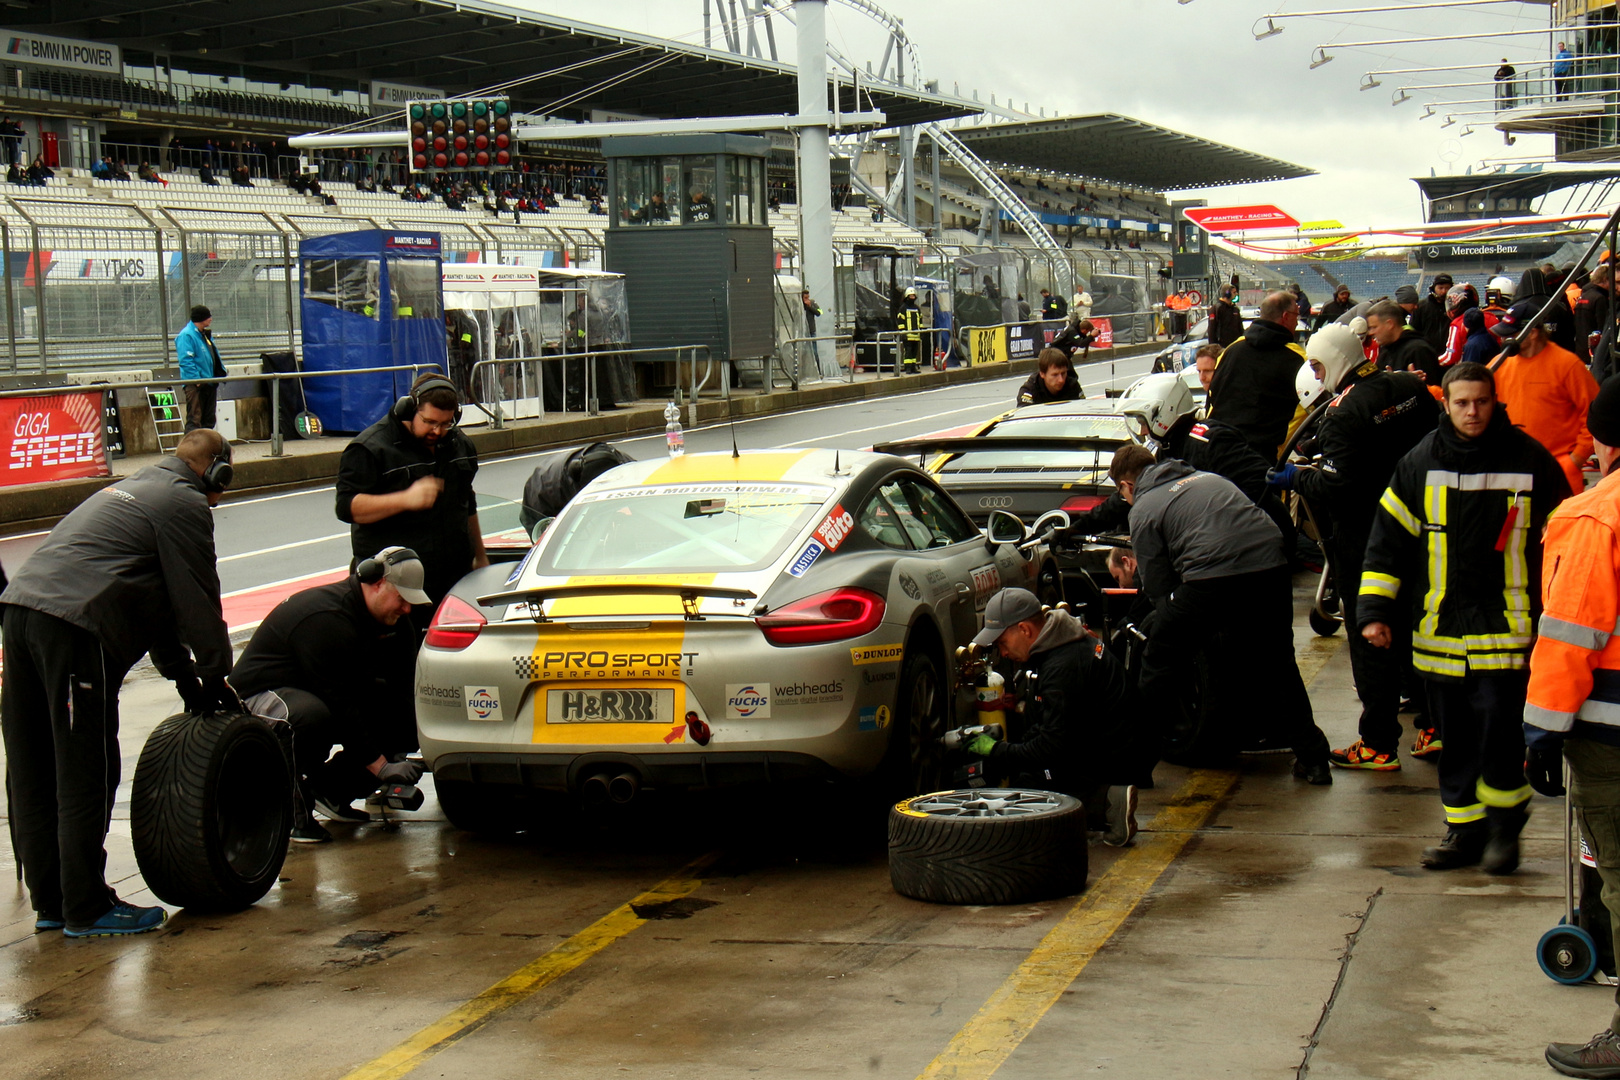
438, 110
480, 108
459, 108
417, 112
501, 107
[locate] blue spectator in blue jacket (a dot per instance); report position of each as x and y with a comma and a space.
199, 359
1563, 68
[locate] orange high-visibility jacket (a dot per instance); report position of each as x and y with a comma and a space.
1575, 666
1547, 395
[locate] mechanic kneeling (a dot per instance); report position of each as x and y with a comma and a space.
338, 662
1081, 739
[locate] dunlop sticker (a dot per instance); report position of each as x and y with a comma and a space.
875, 654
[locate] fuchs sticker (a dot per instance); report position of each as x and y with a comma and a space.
483, 703
807, 558
835, 527
875, 654
748, 701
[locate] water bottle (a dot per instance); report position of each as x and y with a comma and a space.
673, 435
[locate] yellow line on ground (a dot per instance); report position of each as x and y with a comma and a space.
526, 980
1019, 1003
1024, 998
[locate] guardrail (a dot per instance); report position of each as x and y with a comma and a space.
275, 399
498, 418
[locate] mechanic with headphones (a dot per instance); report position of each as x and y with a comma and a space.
407, 481
131, 571
338, 662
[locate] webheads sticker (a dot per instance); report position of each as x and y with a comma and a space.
483, 703
748, 701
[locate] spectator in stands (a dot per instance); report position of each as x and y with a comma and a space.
39, 172
10, 135
151, 175
174, 154
1330, 311
1563, 71
15, 174
121, 170
594, 208
102, 169
453, 199
199, 359
1507, 91
1430, 317
240, 177
205, 175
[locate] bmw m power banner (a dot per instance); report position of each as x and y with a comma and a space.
58, 437
48, 50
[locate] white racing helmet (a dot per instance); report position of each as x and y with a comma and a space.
1158, 401
1308, 387
1504, 285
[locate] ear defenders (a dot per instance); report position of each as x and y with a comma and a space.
371, 571
219, 474
406, 407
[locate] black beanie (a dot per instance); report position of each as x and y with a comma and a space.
1603, 417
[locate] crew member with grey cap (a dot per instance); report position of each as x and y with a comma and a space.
338, 662
1083, 734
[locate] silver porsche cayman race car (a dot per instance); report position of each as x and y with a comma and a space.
713, 619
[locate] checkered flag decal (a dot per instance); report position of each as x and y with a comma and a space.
526, 666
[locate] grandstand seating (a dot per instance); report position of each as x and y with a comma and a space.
1368, 279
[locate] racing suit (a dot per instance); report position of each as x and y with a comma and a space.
1460, 527
1253, 387
1574, 696
1362, 434
131, 571
1549, 394
1083, 733
1213, 565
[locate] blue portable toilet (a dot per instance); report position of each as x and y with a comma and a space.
372, 298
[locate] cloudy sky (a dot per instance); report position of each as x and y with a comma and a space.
1196, 67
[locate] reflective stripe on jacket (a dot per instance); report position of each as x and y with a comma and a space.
1575, 668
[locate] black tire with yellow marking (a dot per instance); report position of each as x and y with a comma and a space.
988, 846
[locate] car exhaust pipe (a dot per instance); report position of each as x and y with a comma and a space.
593, 790
623, 788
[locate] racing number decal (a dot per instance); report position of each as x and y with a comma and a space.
835, 527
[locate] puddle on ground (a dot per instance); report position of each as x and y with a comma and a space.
683, 908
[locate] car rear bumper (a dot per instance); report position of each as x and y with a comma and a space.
538, 771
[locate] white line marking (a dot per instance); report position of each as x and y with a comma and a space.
282, 547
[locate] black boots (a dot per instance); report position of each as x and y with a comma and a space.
1464, 845
1502, 849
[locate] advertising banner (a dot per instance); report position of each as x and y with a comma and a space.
47, 50
1025, 341
987, 346
59, 437
1237, 218
1105, 333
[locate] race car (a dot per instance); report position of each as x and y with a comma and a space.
714, 619
1181, 354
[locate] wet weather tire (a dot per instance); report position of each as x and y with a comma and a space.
211, 810
915, 758
987, 846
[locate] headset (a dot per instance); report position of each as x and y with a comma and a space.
217, 476
406, 407
370, 571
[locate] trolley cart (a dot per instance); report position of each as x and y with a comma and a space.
1579, 948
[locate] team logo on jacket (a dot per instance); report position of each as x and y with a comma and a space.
747, 701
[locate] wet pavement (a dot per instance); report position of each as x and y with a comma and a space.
1290, 932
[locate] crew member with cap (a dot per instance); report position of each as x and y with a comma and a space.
1081, 737
1430, 318
1406, 296
338, 662
407, 481
130, 571
1545, 387
910, 324
1572, 711
1456, 549
1212, 563
1376, 417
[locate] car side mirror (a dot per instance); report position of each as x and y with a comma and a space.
539, 529
1056, 520
1005, 528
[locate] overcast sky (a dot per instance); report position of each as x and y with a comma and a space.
1197, 68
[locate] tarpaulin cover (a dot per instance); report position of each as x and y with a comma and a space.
371, 298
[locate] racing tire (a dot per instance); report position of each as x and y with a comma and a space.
916, 749
988, 846
1323, 625
480, 808
1201, 736
211, 810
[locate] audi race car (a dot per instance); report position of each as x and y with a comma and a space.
713, 619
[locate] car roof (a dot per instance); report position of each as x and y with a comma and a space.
787, 466
1082, 407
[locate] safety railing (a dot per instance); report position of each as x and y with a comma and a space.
798, 368
497, 413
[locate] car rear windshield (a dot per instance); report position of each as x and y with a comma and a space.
677, 528
1091, 464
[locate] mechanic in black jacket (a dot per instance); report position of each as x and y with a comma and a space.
1376, 418
1400, 347
1430, 318
1253, 387
336, 663
407, 481
131, 571
1053, 379
1082, 738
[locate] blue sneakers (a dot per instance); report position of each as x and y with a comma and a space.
121, 920
42, 923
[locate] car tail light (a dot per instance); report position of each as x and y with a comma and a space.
829, 616
455, 625
1077, 503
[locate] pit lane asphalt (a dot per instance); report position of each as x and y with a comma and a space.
1258, 928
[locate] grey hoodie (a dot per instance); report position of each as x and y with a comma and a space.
1060, 629
1193, 526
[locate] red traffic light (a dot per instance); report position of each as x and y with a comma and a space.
483, 159
419, 145
439, 161
461, 159
419, 162
503, 158
461, 142
441, 143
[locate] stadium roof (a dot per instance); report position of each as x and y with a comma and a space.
1118, 149
1526, 183
458, 46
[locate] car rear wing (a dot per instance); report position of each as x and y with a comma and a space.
971, 444
689, 595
